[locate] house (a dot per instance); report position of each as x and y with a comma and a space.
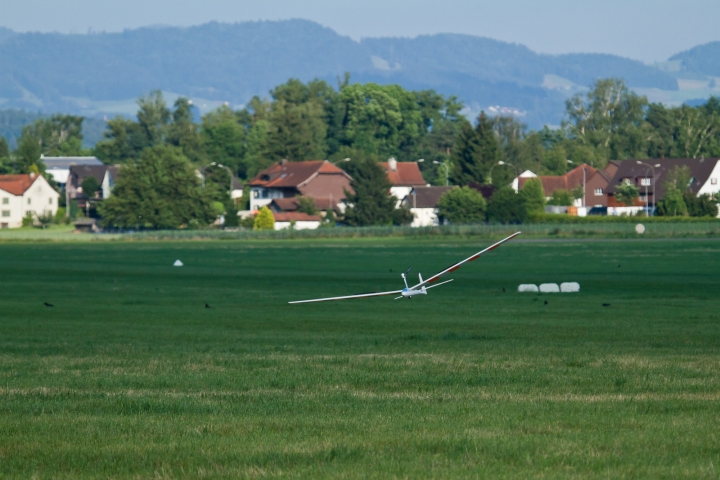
596, 186
316, 179
650, 180
423, 204
516, 181
23, 194
403, 176
577, 177
298, 220
292, 204
59, 167
108, 183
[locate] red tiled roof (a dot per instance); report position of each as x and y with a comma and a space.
17, 184
294, 174
406, 174
295, 217
569, 181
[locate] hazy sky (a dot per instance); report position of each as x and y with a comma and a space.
647, 30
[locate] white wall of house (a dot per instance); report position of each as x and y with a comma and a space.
712, 185
310, 225
624, 210
38, 199
400, 193
424, 217
261, 196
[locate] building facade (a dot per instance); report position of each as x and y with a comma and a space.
25, 194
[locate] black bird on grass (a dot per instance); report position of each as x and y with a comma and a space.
48, 304
503, 289
207, 306
545, 302
606, 304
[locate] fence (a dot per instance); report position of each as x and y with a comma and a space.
540, 230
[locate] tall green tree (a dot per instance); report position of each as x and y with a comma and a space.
153, 117
160, 190
533, 195
370, 202
183, 131
506, 206
27, 155
59, 135
476, 151
4, 148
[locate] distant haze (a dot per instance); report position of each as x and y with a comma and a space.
646, 30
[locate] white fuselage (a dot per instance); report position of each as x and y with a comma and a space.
408, 292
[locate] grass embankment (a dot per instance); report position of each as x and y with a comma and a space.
130, 375
568, 227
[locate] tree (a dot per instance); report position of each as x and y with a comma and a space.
329, 220
679, 178
153, 117
264, 220
161, 190
89, 186
506, 206
673, 205
123, 141
306, 205
626, 193
561, 197
462, 205
533, 195
4, 149
700, 206
28, 154
183, 132
297, 132
370, 202
609, 119
475, 152
402, 216
58, 135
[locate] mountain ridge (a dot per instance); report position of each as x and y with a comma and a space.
102, 73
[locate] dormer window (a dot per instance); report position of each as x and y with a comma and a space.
598, 192
645, 182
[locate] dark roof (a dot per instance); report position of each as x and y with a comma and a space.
84, 171
485, 190
294, 174
291, 204
66, 162
425, 197
700, 170
405, 174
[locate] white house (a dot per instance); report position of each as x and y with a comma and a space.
403, 176
23, 194
516, 181
423, 204
298, 220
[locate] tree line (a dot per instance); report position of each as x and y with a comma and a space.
370, 123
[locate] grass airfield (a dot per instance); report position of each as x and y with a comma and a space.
128, 375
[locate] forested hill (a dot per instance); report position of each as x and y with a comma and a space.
215, 63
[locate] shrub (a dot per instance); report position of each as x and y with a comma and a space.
506, 206
626, 193
306, 205
533, 195
673, 205
561, 198
264, 220
462, 205
28, 220
702, 206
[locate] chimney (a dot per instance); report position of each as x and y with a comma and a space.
283, 161
32, 175
392, 163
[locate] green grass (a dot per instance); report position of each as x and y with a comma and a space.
129, 375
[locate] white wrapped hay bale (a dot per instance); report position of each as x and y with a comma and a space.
528, 287
569, 287
549, 288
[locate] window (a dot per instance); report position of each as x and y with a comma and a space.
713, 181
29, 201
6, 201
6, 213
598, 191
644, 182
50, 201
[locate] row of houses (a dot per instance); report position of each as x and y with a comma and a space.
648, 175
280, 185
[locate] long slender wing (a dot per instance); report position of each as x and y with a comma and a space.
348, 297
454, 267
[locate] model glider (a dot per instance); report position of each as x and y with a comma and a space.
421, 288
